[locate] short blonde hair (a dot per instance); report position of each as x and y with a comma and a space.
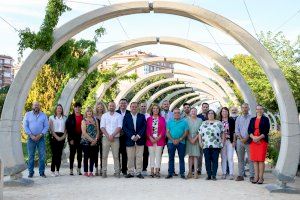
88, 109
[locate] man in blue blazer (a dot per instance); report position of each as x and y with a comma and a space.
134, 128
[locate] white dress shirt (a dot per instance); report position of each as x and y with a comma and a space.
59, 123
134, 117
111, 122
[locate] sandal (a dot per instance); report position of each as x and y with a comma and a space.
254, 181
152, 175
261, 181
157, 175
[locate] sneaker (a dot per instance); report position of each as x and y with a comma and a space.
169, 176
86, 174
223, 176
129, 176
91, 174
53, 174
30, 175
231, 177
239, 178
79, 171
43, 175
57, 173
214, 178
71, 172
104, 175
140, 176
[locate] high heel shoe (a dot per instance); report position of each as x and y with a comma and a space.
261, 181
255, 181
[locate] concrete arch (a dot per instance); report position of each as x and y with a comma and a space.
102, 89
190, 101
205, 81
272, 120
178, 100
11, 117
170, 96
124, 93
188, 86
209, 101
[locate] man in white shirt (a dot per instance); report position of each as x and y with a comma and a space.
111, 125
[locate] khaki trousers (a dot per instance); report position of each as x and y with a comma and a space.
106, 145
135, 156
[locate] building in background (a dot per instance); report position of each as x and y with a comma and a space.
124, 59
6, 70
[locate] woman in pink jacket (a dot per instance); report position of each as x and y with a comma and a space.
156, 139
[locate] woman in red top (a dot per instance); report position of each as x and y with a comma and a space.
258, 130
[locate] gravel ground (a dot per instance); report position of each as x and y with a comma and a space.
79, 187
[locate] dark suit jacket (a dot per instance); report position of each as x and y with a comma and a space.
264, 127
70, 126
128, 129
119, 111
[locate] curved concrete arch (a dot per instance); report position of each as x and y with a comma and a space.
209, 101
272, 120
102, 89
190, 101
124, 93
198, 99
11, 116
178, 100
190, 86
195, 75
170, 96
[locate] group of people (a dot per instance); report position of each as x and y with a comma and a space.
136, 137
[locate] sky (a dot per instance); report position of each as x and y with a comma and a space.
267, 15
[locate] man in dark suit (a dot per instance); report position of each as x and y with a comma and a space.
122, 152
134, 128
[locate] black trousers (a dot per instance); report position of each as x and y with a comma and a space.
123, 154
75, 148
145, 158
99, 148
90, 154
211, 156
56, 149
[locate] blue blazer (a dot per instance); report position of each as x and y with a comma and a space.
128, 129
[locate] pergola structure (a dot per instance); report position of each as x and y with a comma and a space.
11, 117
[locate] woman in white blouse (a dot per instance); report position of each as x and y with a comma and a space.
58, 135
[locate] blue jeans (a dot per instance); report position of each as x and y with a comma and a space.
211, 156
181, 153
31, 147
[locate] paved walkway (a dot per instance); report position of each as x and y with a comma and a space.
79, 187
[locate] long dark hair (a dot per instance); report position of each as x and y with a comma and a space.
224, 108
55, 110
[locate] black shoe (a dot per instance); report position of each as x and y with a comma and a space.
30, 176
43, 175
129, 176
182, 176
124, 173
208, 178
169, 176
214, 178
140, 176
